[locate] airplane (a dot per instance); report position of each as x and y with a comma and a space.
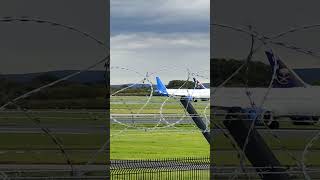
289, 97
190, 94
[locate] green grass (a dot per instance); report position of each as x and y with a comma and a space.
159, 99
38, 148
132, 104
187, 142
45, 157
135, 144
29, 141
61, 119
88, 117
152, 108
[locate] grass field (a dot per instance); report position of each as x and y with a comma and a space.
132, 143
38, 148
187, 142
135, 144
132, 105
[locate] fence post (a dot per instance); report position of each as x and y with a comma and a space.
195, 117
257, 151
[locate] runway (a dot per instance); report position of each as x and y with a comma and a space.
186, 119
152, 118
130, 119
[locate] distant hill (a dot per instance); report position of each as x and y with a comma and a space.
310, 75
207, 85
85, 77
137, 86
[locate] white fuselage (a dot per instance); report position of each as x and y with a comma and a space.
195, 93
281, 101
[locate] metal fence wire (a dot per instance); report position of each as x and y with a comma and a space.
173, 168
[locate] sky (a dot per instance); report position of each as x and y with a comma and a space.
149, 35
165, 38
28, 47
269, 18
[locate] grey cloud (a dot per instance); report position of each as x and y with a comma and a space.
267, 17
170, 54
161, 12
165, 37
29, 47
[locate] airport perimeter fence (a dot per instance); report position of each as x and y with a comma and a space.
173, 168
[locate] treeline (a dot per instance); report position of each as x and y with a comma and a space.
143, 91
256, 74
131, 91
62, 95
92, 95
62, 90
175, 84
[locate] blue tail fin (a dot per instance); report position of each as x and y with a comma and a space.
161, 88
285, 77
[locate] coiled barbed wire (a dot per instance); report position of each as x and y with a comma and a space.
105, 60
162, 117
270, 40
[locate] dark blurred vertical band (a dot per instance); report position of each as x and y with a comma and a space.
107, 76
211, 84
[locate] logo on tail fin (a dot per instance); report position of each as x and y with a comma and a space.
284, 76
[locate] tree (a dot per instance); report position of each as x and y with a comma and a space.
175, 84
258, 74
45, 78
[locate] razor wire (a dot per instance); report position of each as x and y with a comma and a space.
162, 117
147, 78
155, 126
105, 60
251, 52
248, 59
222, 84
256, 35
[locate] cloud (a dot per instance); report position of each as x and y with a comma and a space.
153, 35
154, 41
162, 12
150, 52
